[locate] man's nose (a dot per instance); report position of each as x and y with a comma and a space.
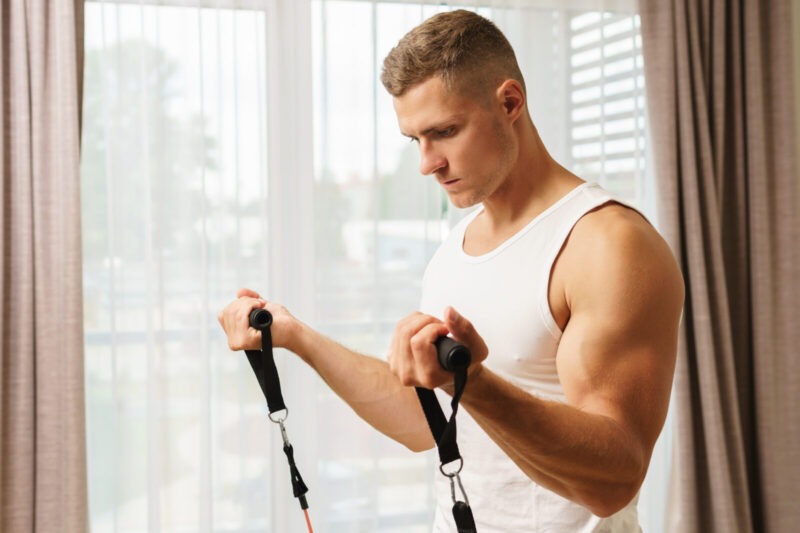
430, 160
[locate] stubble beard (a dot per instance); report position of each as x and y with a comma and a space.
488, 185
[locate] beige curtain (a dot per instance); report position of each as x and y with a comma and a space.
720, 98
42, 431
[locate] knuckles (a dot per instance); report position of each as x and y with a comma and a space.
418, 343
409, 325
407, 380
405, 330
234, 319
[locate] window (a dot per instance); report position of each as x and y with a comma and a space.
606, 105
174, 168
232, 143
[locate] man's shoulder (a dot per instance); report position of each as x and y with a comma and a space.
613, 251
613, 228
613, 213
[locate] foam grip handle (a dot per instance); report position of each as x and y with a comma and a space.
452, 354
260, 318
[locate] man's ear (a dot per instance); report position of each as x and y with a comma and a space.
512, 98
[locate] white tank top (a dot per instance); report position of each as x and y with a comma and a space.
504, 293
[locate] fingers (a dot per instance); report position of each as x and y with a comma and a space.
406, 329
235, 320
410, 325
252, 302
464, 332
247, 292
462, 329
429, 372
426, 337
413, 357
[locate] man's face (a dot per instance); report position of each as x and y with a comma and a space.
464, 145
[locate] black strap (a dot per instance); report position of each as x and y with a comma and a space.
443, 430
263, 363
444, 433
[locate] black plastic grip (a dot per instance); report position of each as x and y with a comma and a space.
452, 354
260, 318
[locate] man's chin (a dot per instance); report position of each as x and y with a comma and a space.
462, 201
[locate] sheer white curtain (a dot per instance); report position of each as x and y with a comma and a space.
250, 143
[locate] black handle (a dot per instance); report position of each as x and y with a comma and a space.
452, 354
260, 318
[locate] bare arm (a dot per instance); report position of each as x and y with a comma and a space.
615, 362
368, 387
364, 382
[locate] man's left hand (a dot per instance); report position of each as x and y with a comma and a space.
412, 355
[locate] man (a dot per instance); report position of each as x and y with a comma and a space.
568, 300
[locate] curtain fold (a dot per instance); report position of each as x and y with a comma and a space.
720, 98
42, 438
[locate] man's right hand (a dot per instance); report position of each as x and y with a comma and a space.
364, 382
235, 320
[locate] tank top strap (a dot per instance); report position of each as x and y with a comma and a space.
583, 199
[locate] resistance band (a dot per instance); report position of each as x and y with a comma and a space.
263, 364
453, 357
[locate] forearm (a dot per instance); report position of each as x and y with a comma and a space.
585, 457
367, 386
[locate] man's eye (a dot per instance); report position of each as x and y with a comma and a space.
445, 132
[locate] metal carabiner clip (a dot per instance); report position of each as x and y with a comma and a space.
283, 434
460, 486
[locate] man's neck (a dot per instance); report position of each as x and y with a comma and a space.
535, 183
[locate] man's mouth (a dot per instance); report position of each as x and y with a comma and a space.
450, 182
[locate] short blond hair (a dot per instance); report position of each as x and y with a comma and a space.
469, 53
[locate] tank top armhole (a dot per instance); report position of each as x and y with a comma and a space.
544, 298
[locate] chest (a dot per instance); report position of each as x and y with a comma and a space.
478, 241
